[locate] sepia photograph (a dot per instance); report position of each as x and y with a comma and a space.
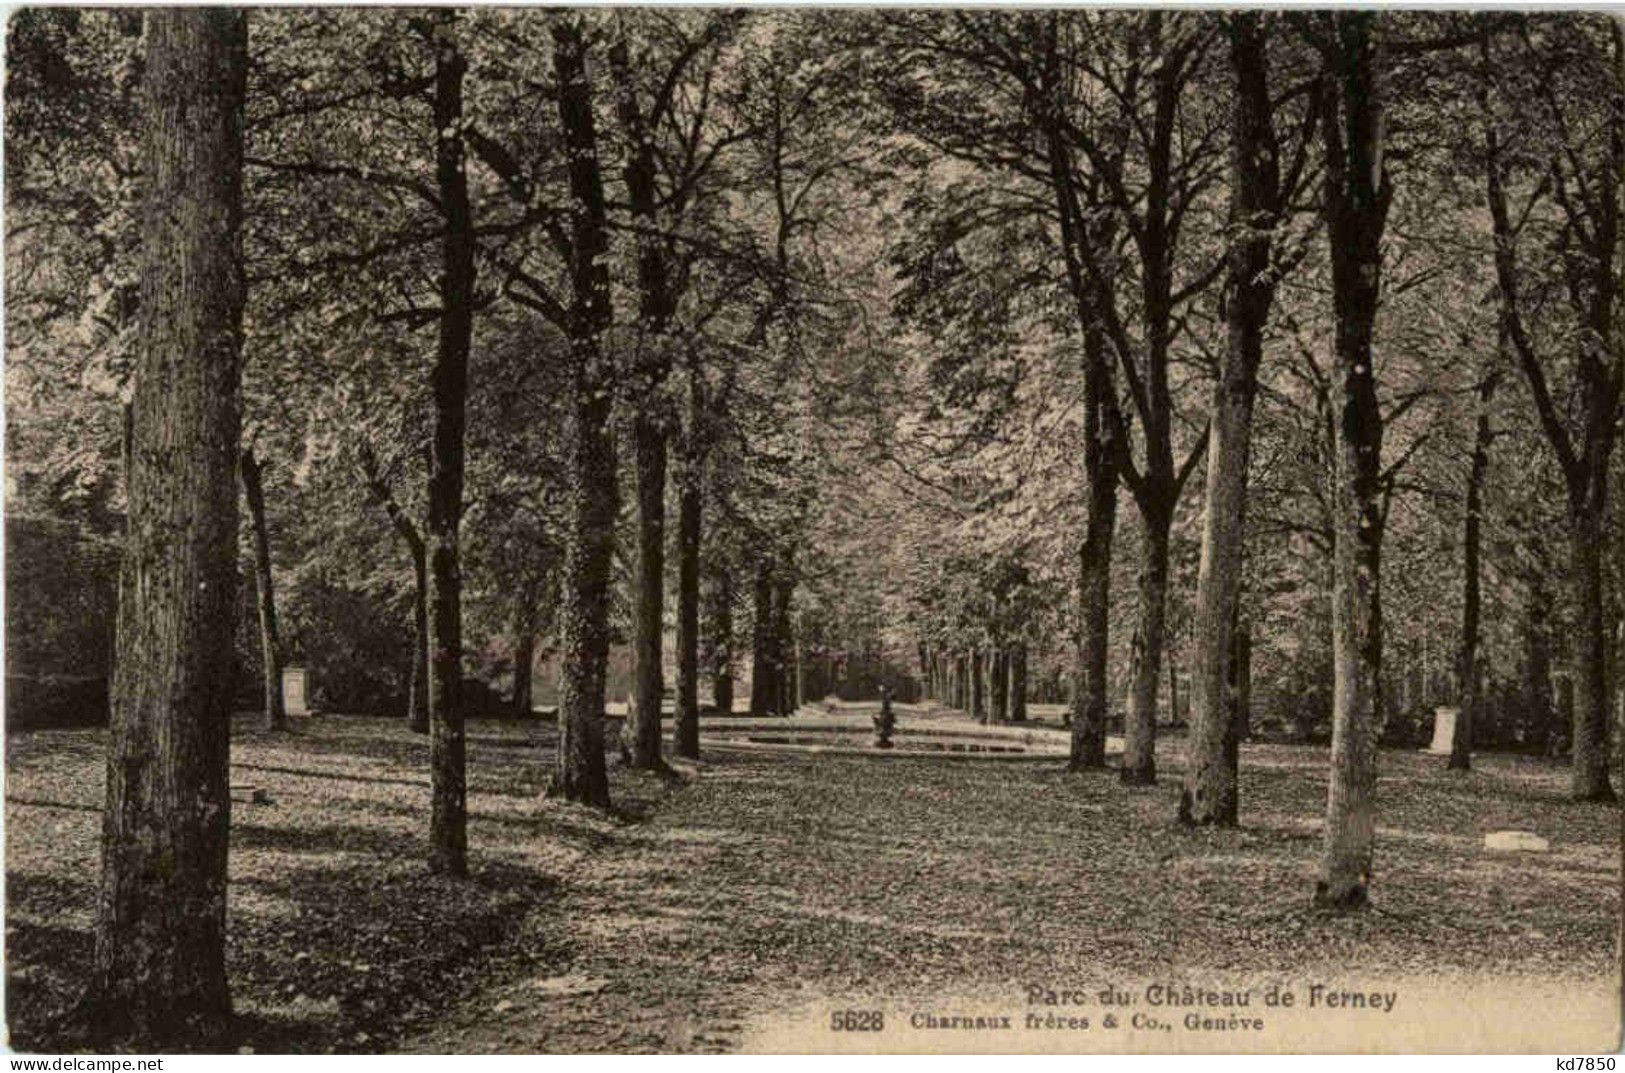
707, 530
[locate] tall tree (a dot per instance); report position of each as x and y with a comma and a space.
764, 677
1094, 555
417, 709
657, 300
252, 471
526, 614
1472, 542
1029, 73
669, 150
1585, 169
717, 655
1018, 683
784, 643
978, 685
1165, 58
1126, 151
1260, 199
449, 791
590, 537
998, 685
1358, 193
160, 940
690, 515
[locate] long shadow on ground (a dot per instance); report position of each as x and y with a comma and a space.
339, 939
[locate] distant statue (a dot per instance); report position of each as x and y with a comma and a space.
885, 720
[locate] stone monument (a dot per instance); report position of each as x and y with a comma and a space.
1444, 730
295, 691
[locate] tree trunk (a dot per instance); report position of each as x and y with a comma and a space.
1461, 744
276, 716
417, 711
160, 973
1017, 707
1559, 743
1616, 671
1174, 713
524, 659
1356, 204
1537, 682
1140, 722
417, 703
979, 664
722, 690
1089, 679
783, 646
1591, 250
448, 838
656, 303
1589, 750
1100, 461
687, 712
1088, 711
642, 730
998, 687
1240, 693
1210, 794
799, 696
762, 678
592, 494
720, 639
1156, 490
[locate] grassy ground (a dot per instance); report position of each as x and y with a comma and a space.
339, 937
768, 881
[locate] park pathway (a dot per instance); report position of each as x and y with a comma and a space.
766, 884
771, 884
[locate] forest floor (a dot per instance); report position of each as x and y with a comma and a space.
737, 907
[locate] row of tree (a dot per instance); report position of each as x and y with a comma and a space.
1121, 232
448, 261
887, 308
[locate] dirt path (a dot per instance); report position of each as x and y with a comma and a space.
810, 883
632, 955
777, 883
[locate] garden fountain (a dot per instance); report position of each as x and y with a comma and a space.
885, 729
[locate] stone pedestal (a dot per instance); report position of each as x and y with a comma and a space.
1444, 730
295, 691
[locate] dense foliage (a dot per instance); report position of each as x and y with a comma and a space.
869, 353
